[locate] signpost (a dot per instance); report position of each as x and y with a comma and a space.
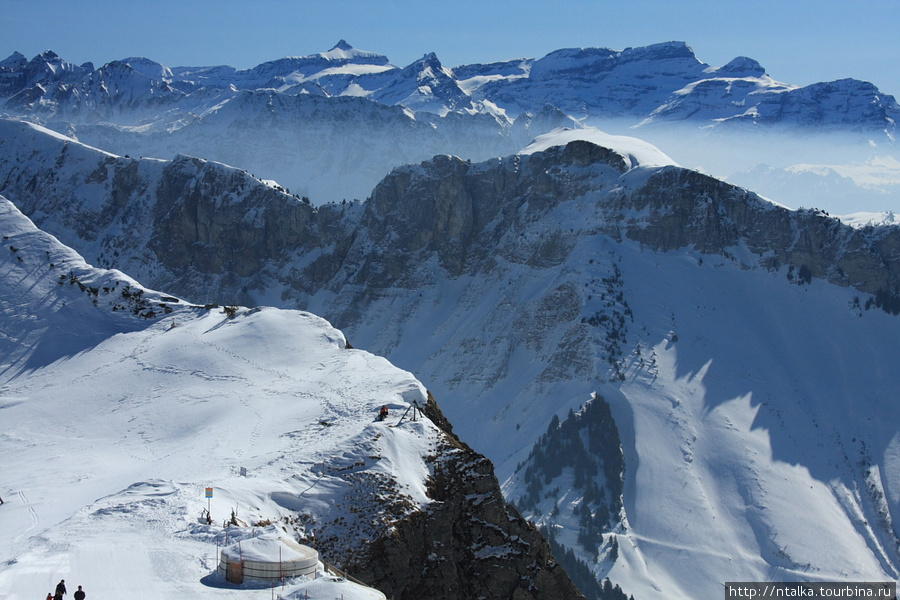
208, 500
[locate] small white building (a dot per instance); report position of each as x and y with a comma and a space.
267, 557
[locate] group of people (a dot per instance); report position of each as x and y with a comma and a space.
61, 591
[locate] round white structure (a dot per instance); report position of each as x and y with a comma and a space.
267, 557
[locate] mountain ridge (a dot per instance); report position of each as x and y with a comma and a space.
576, 74
193, 226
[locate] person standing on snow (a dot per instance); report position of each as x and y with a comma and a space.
79, 595
60, 589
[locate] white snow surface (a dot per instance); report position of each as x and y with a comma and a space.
639, 152
113, 425
270, 548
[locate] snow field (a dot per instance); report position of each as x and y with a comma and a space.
748, 428
108, 446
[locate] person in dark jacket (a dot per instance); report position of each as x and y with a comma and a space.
79, 595
60, 589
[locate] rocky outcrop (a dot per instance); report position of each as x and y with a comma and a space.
462, 212
465, 214
681, 208
468, 544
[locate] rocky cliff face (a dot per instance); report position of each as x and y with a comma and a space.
684, 208
465, 214
468, 544
197, 222
201, 228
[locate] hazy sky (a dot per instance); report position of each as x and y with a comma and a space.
797, 41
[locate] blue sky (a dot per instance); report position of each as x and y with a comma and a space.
797, 41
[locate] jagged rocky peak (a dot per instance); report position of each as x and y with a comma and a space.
425, 85
741, 66
45, 68
342, 45
11, 77
343, 51
132, 81
430, 58
428, 67
16, 60
51, 63
116, 68
290, 68
149, 68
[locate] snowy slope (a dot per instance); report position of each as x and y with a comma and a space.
759, 430
114, 422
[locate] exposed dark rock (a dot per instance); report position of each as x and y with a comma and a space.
468, 544
686, 208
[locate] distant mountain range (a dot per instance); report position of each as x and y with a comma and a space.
329, 126
659, 83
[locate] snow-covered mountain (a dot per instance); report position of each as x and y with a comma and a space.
301, 120
744, 351
120, 405
661, 82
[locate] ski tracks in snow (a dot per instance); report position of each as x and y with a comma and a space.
31, 513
